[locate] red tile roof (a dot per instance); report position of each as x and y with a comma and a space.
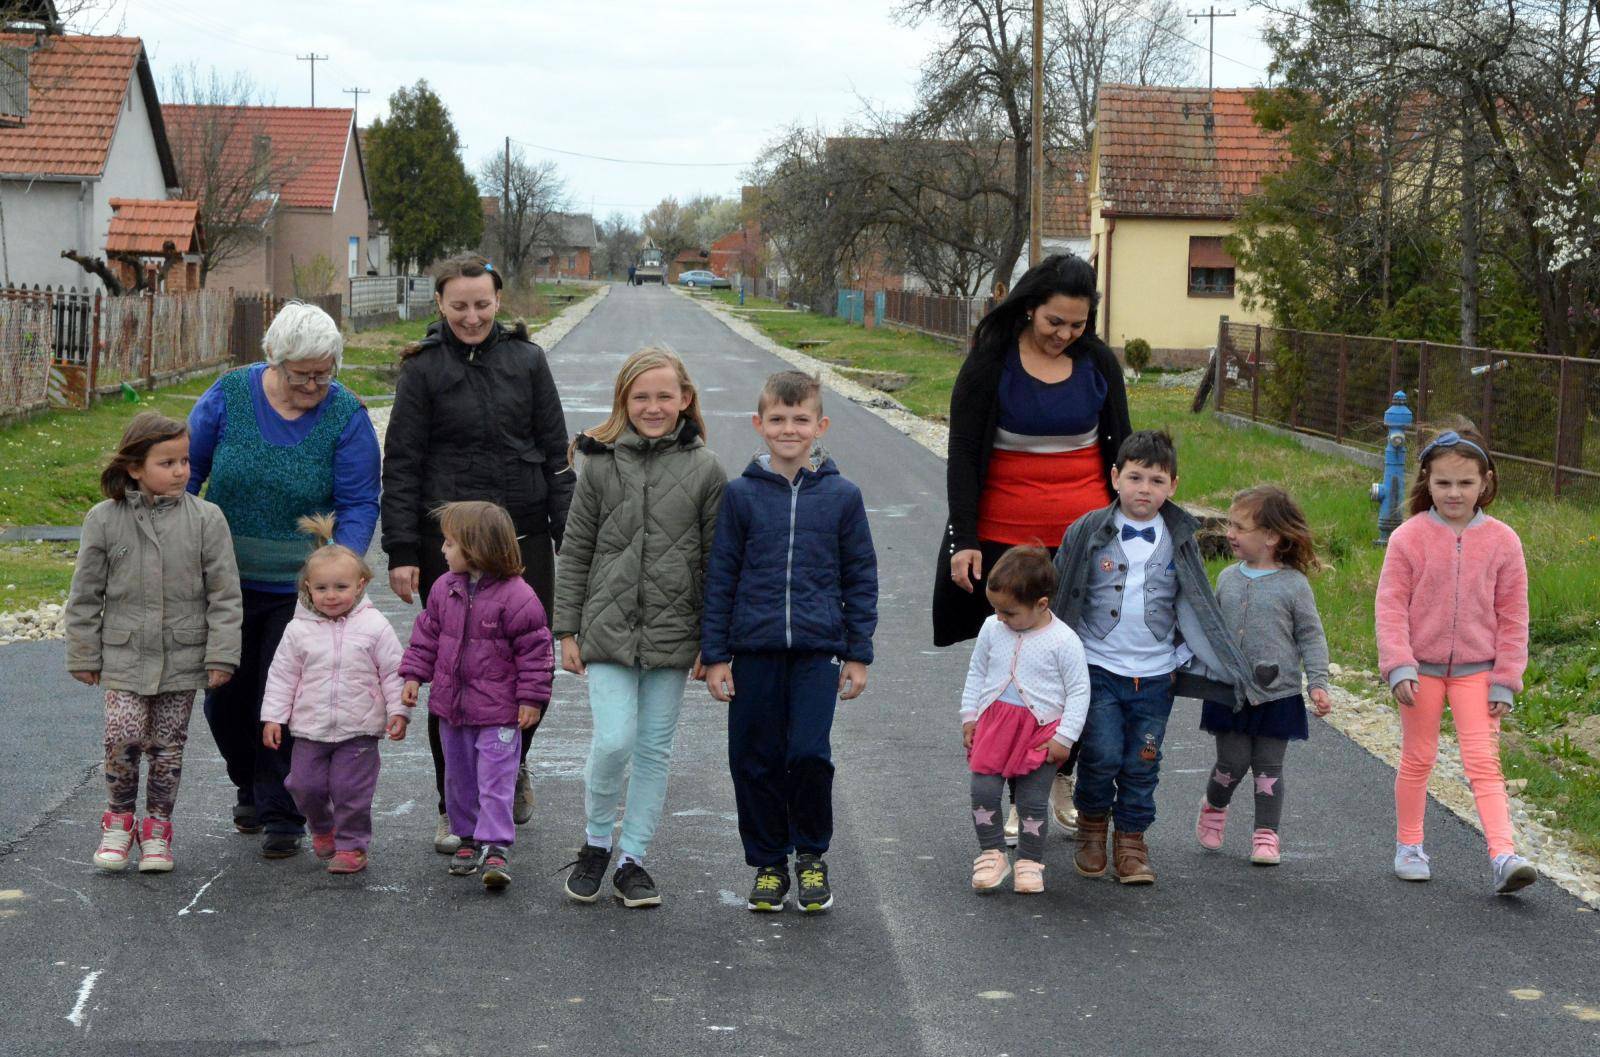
1066, 196
76, 89
1166, 152
307, 143
145, 226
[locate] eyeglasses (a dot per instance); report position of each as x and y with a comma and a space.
301, 379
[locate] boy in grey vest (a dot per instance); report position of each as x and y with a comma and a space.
1133, 586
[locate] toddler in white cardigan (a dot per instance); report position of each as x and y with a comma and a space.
1024, 704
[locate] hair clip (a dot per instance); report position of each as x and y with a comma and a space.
1450, 439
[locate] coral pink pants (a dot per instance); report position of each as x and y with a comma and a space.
1478, 734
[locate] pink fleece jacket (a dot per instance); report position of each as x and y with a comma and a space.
1454, 605
332, 680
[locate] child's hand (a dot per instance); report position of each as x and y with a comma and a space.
719, 680
272, 735
528, 715
1499, 709
1405, 692
1055, 753
1321, 703
698, 671
966, 733
408, 693
396, 728
216, 677
571, 659
87, 678
852, 680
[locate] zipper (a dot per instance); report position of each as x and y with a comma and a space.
466, 631
788, 571
338, 663
1455, 610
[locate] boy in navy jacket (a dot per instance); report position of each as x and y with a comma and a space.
791, 602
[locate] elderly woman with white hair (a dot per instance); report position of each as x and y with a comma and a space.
273, 442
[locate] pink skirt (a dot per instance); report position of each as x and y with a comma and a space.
1008, 741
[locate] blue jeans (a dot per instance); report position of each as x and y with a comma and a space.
635, 718
1121, 742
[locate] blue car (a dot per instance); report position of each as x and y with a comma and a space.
706, 279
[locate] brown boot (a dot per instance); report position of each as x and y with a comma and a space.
1090, 858
1132, 859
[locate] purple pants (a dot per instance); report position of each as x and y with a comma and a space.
480, 780
332, 783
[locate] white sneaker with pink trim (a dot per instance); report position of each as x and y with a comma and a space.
116, 838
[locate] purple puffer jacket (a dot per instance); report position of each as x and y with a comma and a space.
485, 653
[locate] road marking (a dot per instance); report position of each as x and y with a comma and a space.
1585, 1013
8, 894
403, 809
996, 996
202, 892
76, 1016
1526, 994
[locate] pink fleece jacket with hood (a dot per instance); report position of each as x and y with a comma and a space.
332, 680
1452, 605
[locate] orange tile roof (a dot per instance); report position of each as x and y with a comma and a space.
1165, 152
1066, 196
145, 226
76, 89
308, 146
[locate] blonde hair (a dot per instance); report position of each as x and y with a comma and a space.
320, 528
484, 534
645, 360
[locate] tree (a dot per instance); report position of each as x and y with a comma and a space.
714, 217
421, 190
619, 241
532, 197
671, 227
1111, 42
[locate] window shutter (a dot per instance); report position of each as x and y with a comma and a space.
13, 83
1205, 251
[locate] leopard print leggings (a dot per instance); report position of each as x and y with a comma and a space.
156, 727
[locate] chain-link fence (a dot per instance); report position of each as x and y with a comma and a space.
1540, 413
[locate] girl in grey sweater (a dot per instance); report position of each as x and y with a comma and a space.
1267, 603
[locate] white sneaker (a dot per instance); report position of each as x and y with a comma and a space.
1512, 873
116, 837
1061, 806
1411, 863
1013, 828
155, 846
445, 842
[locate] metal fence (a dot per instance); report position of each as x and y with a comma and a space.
944, 317
27, 337
1540, 413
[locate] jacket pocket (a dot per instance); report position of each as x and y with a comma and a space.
186, 652
119, 654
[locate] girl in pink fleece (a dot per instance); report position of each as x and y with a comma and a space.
1452, 612
335, 681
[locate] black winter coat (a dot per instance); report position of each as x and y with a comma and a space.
469, 422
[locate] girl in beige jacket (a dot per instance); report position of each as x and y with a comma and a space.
153, 616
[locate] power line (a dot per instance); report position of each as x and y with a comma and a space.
313, 59
1211, 15
636, 161
1153, 24
199, 23
355, 95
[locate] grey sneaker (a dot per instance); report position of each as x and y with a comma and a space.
445, 842
522, 806
1411, 863
1512, 873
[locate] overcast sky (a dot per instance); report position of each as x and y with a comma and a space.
698, 81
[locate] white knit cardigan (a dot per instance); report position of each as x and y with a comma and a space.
1048, 666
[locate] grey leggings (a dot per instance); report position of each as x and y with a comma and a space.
1031, 794
1238, 754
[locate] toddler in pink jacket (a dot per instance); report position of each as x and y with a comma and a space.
1452, 617
335, 681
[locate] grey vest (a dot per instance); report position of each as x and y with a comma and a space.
1108, 579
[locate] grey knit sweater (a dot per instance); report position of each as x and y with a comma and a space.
1274, 620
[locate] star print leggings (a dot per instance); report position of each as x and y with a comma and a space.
1032, 797
1239, 754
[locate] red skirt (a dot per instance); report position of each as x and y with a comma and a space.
1009, 741
1032, 498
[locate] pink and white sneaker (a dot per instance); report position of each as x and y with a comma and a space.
322, 846
1264, 848
116, 837
155, 846
1209, 824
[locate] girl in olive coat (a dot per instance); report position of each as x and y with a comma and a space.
628, 601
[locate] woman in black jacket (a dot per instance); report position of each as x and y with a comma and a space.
476, 416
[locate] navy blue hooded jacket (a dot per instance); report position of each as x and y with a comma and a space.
792, 567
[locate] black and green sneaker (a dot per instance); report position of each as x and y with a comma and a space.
771, 888
812, 894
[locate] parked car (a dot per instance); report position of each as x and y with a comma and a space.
710, 280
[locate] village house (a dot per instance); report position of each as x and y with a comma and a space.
160, 237
566, 245
1168, 171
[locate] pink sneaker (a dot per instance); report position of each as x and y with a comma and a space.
1209, 825
989, 869
1264, 848
1029, 878
322, 846
352, 861
116, 837
155, 846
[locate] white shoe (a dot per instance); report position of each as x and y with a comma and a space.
1411, 863
1061, 806
1012, 828
116, 837
155, 846
445, 842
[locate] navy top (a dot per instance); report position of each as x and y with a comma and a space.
356, 459
1034, 408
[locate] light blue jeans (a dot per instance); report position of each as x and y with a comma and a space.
635, 718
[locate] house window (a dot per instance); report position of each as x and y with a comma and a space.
572, 262
1210, 267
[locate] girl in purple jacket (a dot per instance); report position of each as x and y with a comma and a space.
484, 643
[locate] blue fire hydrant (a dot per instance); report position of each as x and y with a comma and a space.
1391, 493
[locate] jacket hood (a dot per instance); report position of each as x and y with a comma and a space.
440, 335
684, 434
821, 465
305, 612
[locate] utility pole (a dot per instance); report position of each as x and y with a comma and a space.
355, 106
313, 59
1036, 181
1211, 15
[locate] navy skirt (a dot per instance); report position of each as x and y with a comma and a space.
1284, 718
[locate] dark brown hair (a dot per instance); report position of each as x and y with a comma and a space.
792, 388
485, 535
147, 429
465, 266
1024, 573
1475, 447
1269, 507
1153, 448
320, 528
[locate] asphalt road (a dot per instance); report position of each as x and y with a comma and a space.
231, 954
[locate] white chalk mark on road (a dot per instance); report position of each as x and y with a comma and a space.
402, 809
76, 1016
201, 892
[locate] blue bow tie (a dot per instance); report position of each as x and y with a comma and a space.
1146, 534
